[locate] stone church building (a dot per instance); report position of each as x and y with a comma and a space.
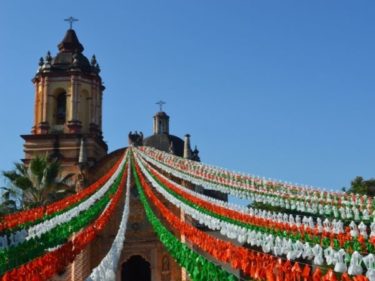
68, 126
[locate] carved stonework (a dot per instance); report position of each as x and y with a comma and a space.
74, 126
143, 254
165, 264
165, 269
43, 127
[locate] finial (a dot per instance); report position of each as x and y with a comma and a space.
161, 103
41, 61
48, 57
75, 59
195, 155
93, 60
171, 148
71, 20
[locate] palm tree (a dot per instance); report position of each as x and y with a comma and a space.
39, 182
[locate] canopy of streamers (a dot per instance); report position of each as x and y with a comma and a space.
292, 233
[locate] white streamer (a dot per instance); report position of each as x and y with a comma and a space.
37, 230
268, 242
335, 226
274, 199
240, 180
106, 270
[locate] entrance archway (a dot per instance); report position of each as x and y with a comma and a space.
136, 269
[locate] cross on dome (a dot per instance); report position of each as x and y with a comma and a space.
71, 20
161, 103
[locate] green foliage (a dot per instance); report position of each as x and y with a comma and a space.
8, 202
30, 249
361, 186
40, 182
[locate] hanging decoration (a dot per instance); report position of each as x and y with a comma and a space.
278, 246
340, 209
19, 219
106, 270
58, 257
197, 266
241, 180
51, 221
277, 224
38, 243
252, 263
30, 249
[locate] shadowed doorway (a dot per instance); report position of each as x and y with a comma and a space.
136, 269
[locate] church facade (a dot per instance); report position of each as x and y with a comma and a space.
68, 126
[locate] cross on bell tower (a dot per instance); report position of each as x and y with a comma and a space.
68, 104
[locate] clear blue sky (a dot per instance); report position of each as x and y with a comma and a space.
282, 89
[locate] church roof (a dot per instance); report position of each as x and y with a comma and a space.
161, 114
70, 43
69, 58
163, 142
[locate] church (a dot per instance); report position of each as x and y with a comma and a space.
68, 126
174, 223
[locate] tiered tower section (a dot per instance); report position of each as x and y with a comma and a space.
68, 106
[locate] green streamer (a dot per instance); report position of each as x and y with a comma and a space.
198, 267
326, 242
270, 188
37, 246
44, 218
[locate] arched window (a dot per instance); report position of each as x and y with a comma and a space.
61, 108
161, 129
136, 268
84, 109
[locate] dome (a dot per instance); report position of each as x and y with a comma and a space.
64, 61
69, 57
163, 142
161, 114
70, 43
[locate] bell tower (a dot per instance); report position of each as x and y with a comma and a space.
161, 121
68, 106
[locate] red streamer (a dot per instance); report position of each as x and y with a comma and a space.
46, 266
16, 219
